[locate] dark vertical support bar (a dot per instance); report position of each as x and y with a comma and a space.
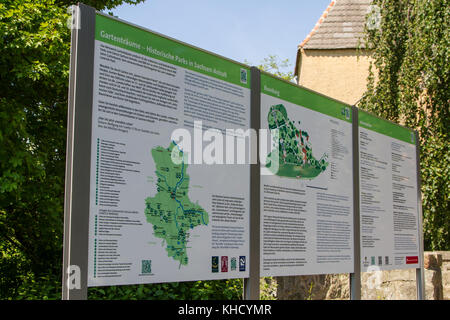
251, 284
420, 272
76, 207
355, 277
69, 146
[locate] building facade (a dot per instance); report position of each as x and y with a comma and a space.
332, 59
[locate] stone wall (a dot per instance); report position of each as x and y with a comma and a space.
378, 285
445, 270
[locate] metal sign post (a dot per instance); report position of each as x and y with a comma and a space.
251, 284
355, 277
76, 202
420, 272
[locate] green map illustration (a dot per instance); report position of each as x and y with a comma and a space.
294, 152
170, 211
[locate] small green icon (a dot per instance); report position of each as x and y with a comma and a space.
146, 266
243, 75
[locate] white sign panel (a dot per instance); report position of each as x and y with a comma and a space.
388, 195
163, 206
306, 183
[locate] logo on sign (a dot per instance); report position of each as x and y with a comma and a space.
215, 264
366, 262
243, 76
242, 263
346, 112
412, 260
224, 264
146, 266
233, 264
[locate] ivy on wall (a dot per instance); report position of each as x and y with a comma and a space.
408, 83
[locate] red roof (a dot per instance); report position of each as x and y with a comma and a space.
319, 22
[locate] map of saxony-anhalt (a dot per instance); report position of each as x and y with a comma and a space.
294, 152
170, 211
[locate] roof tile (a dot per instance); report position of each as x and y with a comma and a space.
340, 26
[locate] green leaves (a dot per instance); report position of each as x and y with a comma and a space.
408, 84
198, 290
274, 65
33, 87
34, 71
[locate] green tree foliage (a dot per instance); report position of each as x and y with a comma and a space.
230, 289
409, 84
274, 65
34, 55
34, 70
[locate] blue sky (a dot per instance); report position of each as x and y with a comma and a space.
245, 30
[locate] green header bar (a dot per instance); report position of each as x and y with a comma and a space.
292, 93
132, 38
385, 127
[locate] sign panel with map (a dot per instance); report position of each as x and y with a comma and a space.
306, 182
389, 212
161, 177
163, 206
